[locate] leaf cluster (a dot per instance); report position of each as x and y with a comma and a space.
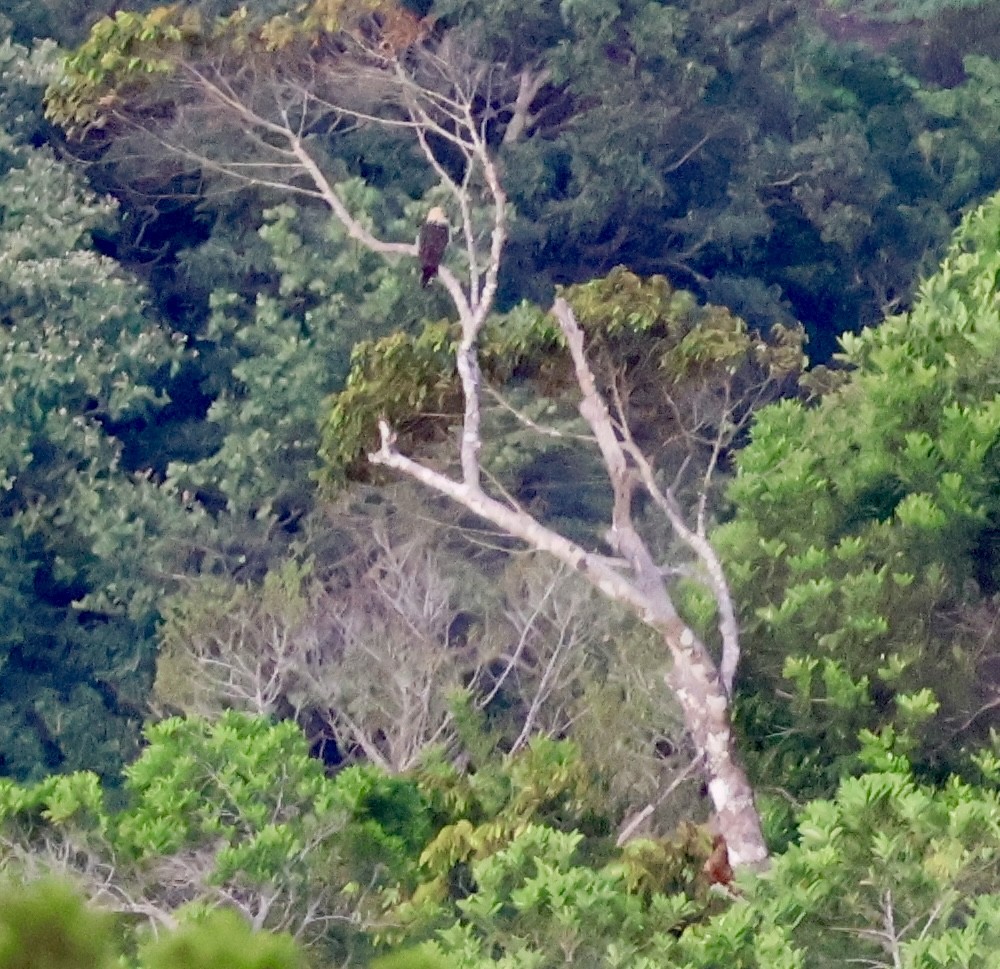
126, 60
234, 813
653, 339
863, 530
889, 870
887, 867
237, 812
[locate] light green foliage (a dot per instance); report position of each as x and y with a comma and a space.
236, 813
862, 524
889, 871
523, 867
129, 45
231, 813
537, 903
194, 784
45, 925
397, 377
409, 959
273, 828
65, 21
222, 940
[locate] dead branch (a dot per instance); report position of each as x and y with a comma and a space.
437, 92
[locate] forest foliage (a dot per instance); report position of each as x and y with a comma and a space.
509, 864
245, 671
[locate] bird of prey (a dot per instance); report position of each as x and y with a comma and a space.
431, 243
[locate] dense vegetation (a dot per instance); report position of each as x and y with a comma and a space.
244, 670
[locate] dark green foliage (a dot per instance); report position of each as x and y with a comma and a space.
729, 145
92, 537
904, 9
958, 142
79, 352
279, 352
391, 821
733, 147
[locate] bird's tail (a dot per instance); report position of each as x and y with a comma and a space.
428, 273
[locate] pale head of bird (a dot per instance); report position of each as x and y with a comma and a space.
437, 216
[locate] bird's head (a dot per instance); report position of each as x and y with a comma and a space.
437, 216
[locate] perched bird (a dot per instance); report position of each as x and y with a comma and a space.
431, 244
717, 867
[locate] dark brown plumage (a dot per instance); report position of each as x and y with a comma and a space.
431, 244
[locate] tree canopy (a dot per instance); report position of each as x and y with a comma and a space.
862, 538
673, 645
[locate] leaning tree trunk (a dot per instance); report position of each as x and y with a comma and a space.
634, 580
694, 677
698, 688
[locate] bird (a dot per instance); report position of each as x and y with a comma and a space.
717, 866
431, 244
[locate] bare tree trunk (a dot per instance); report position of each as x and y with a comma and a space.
436, 93
693, 679
705, 705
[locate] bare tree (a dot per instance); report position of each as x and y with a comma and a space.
384, 673
376, 653
363, 656
633, 577
439, 93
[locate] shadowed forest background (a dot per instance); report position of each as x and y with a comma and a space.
241, 667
